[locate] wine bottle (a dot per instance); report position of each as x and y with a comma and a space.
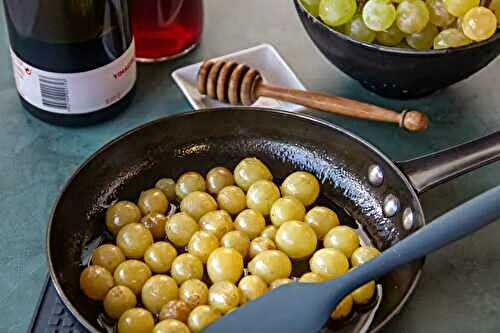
73, 60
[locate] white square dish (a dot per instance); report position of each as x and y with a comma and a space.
264, 58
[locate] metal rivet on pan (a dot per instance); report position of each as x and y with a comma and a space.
408, 219
391, 205
375, 175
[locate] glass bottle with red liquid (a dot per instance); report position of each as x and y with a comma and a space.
166, 29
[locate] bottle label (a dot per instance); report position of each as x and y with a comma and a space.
76, 93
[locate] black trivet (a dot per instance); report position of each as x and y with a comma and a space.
51, 316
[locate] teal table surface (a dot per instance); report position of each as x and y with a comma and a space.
460, 287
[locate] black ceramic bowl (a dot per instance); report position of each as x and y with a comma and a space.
395, 72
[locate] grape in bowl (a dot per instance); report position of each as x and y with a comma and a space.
374, 43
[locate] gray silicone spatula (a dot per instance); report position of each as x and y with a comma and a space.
305, 307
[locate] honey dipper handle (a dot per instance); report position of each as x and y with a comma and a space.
414, 121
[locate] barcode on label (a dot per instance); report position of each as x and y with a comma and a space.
54, 92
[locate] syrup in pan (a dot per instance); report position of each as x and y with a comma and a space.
358, 321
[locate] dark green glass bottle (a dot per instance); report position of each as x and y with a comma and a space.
73, 60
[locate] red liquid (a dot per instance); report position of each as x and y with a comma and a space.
165, 28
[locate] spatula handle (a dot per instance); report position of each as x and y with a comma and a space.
454, 225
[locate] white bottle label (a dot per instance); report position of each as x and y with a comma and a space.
76, 93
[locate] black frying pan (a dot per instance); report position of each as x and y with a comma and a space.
349, 169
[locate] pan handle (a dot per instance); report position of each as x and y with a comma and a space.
431, 170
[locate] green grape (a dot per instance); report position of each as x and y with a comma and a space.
479, 24
337, 12
450, 38
312, 6
424, 39
357, 30
403, 45
495, 7
438, 14
379, 15
390, 37
458, 23
340, 28
412, 16
460, 7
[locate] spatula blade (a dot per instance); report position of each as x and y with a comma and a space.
291, 308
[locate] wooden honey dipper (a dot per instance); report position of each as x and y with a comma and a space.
229, 81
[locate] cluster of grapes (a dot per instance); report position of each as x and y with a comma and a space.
421, 25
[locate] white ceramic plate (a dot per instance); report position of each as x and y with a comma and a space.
264, 58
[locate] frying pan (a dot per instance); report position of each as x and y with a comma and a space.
381, 195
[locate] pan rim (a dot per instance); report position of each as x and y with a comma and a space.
307, 117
